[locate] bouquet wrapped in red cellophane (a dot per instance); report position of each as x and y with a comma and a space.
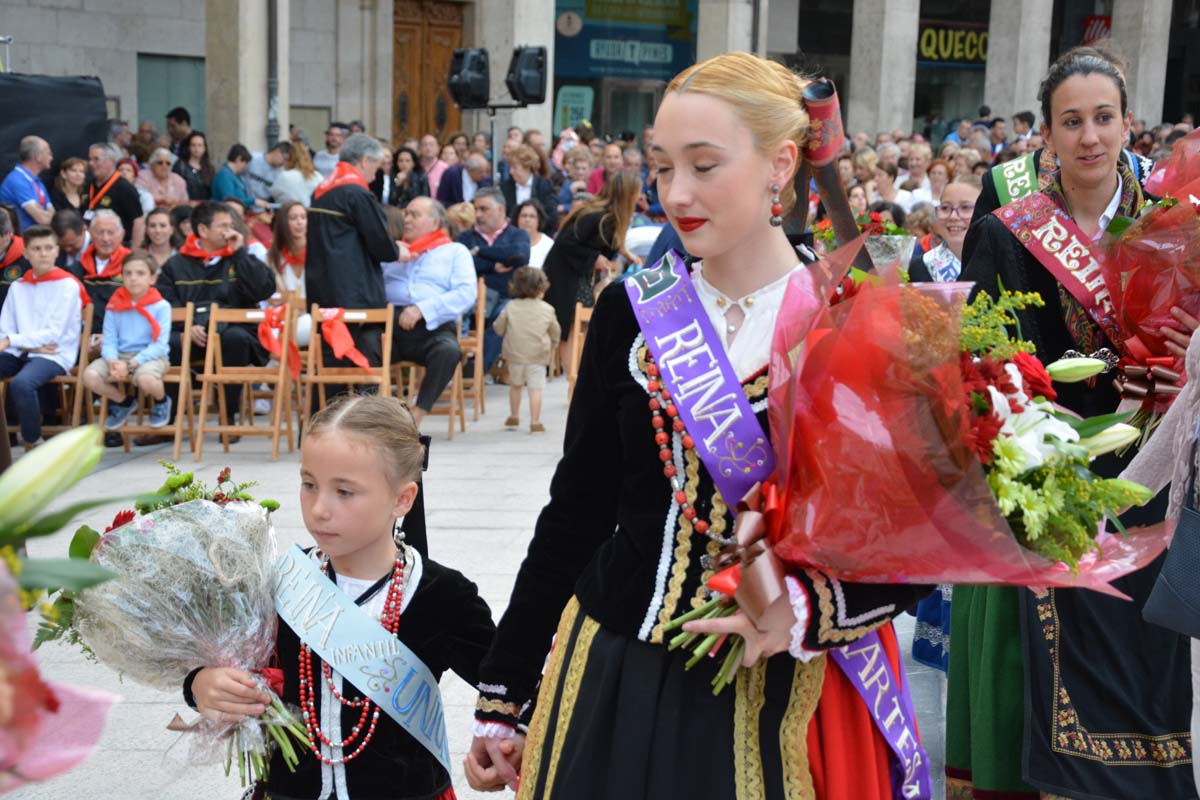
1150, 265
916, 443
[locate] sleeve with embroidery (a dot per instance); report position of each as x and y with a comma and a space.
840, 613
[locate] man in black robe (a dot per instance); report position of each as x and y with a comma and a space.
347, 241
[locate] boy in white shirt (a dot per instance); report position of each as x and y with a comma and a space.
39, 329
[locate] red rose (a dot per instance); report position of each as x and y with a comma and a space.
1033, 374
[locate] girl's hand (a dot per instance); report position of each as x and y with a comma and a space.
228, 695
1176, 339
772, 635
494, 763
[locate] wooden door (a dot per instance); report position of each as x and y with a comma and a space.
425, 35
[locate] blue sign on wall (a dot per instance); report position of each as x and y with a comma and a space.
620, 39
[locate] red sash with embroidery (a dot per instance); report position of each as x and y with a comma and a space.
273, 321
122, 300
57, 274
1058, 244
337, 336
342, 175
115, 260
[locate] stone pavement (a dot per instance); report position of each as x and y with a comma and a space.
485, 489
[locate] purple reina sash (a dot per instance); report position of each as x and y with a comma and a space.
1058, 244
733, 447
693, 365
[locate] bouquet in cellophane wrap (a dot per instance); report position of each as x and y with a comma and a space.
917, 443
193, 588
1150, 265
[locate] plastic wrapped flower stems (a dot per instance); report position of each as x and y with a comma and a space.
193, 588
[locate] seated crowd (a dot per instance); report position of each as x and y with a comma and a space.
146, 223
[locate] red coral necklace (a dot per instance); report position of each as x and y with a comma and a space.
316, 737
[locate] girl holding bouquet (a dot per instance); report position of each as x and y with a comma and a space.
1067, 692
359, 465
635, 520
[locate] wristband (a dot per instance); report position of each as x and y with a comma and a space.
188, 697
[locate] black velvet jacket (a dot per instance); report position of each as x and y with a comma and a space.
612, 536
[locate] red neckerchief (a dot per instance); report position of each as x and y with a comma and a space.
491, 240
273, 321
57, 274
337, 335
88, 262
192, 248
95, 198
122, 300
16, 249
430, 241
295, 260
342, 175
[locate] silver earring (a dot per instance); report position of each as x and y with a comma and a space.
398, 532
776, 206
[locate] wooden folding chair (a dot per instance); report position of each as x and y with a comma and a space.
472, 347
217, 376
452, 402
583, 316
70, 386
320, 376
299, 307
179, 374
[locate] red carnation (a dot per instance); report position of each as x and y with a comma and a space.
274, 679
224, 475
984, 431
123, 517
1036, 379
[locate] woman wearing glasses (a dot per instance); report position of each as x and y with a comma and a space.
952, 218
166, 187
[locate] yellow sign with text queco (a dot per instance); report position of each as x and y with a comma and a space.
948, 43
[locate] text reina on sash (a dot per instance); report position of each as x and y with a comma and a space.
692, 368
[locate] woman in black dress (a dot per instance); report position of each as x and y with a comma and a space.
590, 238
195, 167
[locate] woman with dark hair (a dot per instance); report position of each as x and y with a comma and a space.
1065, 691
162, 241
408, 178
195, 167
531, 218
289, 232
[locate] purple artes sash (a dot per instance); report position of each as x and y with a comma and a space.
734, 449
1064, 250
704, 388
866, 664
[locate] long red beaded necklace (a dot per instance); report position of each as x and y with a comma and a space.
391, 622
660, 405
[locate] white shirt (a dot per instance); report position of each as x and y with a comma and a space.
38, 314
539, 251
469, 186
325, 162
751, 348
1110, 212
524, 190
292, 186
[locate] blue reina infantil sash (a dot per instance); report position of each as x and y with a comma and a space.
346, 638
693, 365
733, 447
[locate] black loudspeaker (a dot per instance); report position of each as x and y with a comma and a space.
470, 79
526, 78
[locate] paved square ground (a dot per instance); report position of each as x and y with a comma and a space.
484, 491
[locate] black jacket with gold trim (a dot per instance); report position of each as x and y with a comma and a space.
612, 535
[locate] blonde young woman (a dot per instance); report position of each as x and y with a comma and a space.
613, 557
297, 180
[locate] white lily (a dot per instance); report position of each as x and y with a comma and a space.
1112, 438
1034, 430
46, 472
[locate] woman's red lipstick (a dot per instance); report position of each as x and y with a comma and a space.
689, 224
